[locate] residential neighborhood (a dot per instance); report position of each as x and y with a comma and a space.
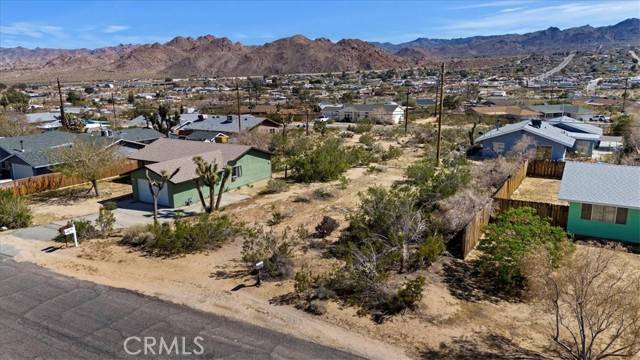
178, 183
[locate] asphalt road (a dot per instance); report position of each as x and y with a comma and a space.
44, 315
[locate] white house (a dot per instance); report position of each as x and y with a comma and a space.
380, 113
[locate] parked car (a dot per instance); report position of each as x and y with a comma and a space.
322, 119
600, 118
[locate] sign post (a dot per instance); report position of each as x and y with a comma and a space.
72, 230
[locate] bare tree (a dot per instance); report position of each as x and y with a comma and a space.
595, 302
525, 148
155, 187
207, 176
15, 124
86, 159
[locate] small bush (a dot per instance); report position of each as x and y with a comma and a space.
374, 169
184, 236
275, 186
84, 231
276, 251
106, 219
301, 199
326, 227
14, 211
344, 182
367, 139
322, 194
429, 251
360, 156
391, 153
361, 127
325, 162
276, 217
516, 233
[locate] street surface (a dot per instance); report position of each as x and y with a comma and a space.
44, 315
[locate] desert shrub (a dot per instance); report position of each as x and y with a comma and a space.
84, 231
276, 217
361, 127
457, 210
515, 233
184, 236
360, 156
275, 186
406, 297
374, 169
344, 182
367, 139
391, 153
301, 199
14, 211
436, 182
429, 251
322, 193
325, 162
326, 226
320, 127
274, 250
106, 219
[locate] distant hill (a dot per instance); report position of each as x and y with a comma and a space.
205, 55
211, 56
626, 32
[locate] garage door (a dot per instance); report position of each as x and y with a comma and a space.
21, 171
144, 194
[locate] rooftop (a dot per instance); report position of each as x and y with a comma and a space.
601, 184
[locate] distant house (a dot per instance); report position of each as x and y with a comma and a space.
141, 121
212, 127
604, 200
31, 155
587, 136
549, 142
379, 113
249, 165
558, 110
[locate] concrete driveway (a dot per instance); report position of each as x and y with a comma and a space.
128, 213
44, 315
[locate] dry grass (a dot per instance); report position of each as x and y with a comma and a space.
539, 190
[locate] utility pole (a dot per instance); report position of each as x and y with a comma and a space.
115, 114
440, 115
435, 108
238, 99
307, 124
62, 119
406, 114
624, 95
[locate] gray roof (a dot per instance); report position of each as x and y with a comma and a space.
41, 117
387, 108
38, 150
601, 184
140, 121
560, 108
545, 130
226, 123
187, 168
576, 124
169, 149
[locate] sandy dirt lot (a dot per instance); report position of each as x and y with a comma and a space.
73, 202
540, 190
455, 318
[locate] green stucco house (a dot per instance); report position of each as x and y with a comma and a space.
249, 165
604, 200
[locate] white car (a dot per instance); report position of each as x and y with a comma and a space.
322, 119
600, 118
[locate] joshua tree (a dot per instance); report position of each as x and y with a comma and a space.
225, 175
156, 185
208, 176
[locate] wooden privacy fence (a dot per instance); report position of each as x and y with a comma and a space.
557, 214
472, 232
548, 169
40, 183
513, 181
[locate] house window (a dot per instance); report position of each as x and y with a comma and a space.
605, 214
498, 147
236, 172
272, 131
582, 147
543, 152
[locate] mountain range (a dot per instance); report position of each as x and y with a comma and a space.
211, 56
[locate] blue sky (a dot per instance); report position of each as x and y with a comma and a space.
92, 24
